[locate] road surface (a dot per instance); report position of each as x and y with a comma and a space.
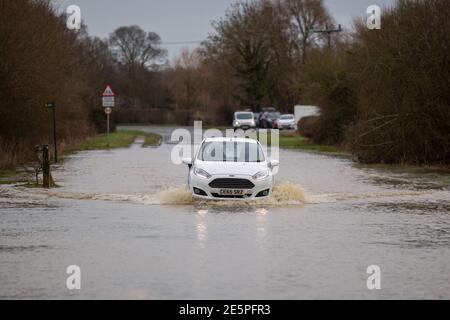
125, 218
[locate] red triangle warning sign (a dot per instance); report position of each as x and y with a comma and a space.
108, 92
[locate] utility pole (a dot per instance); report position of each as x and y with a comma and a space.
329, 32
52, 106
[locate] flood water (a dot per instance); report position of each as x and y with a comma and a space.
124, 216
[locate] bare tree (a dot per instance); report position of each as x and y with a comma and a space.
135, 48
306, 15
244, 44
187, 79
138, 52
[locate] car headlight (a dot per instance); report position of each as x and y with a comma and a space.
261, 175
237, 123
201, 173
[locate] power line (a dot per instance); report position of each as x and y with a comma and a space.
328, 31
181, 42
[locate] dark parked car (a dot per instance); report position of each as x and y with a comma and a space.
268, 120
273, 117
257, 114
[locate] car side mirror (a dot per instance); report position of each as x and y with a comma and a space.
187, 161
274, 163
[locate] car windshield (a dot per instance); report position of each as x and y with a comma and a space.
274, 115
287, 117
231, 151
244, 116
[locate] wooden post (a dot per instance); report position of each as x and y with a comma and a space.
46, 167
38, 152
52, 106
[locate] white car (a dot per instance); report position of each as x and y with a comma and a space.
244, 120
230, 168
287, 121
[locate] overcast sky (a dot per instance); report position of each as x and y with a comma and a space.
183, 20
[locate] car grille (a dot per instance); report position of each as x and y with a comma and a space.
231, 183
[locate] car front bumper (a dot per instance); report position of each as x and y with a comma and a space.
197, 183
244, 127
287, 126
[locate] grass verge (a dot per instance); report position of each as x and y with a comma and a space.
7, 176
302, 143
119, 139
151, 140
299, 142
6, 173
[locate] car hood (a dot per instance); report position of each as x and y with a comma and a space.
231, 168
287, 120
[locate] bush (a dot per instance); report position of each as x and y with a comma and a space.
403, 74
386, 95
39, 63
327, 83
308, 126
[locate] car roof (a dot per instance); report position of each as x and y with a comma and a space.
230, 139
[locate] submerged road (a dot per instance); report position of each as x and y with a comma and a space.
125, 218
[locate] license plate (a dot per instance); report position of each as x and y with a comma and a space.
231, 192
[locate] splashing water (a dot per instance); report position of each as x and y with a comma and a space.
288, 193
284, 194
175, 196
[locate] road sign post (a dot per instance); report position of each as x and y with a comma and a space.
108, 112
107, 130
109, 101
52, 106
